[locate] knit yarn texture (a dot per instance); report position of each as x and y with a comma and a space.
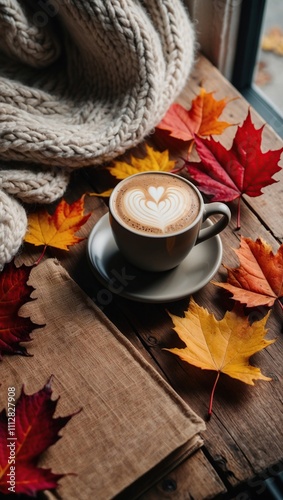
81, 81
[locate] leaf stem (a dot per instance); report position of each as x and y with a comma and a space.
280, 304
41, 256
212, 396
190, 148
239, 213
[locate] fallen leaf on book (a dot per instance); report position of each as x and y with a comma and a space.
14, 292
23, 440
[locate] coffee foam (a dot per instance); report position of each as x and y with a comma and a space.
156, 204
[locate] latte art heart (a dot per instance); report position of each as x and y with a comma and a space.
158, 207
156, 192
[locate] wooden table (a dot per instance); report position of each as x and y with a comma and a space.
243, 442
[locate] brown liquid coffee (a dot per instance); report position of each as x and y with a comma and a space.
156, 203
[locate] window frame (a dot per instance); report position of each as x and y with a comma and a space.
246, 56
228, 33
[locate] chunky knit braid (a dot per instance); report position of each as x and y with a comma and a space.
84, 88
35, 186
31, 186
13, 225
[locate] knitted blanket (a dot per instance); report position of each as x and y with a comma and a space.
81, 81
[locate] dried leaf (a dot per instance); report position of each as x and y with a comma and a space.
57, 230
244, 169
34, 429
258, 281
153, 160
262, 76
104, 194
273, 41
223, 346
201, 119
14, 292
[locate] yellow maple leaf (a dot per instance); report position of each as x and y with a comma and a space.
153, 160
273, 41
223, 346
57, 230
104, 194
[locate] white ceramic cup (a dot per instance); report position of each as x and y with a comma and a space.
156, 248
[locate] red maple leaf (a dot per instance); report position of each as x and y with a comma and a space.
244, 169
14, 292
30, 432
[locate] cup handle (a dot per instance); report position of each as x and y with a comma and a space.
212, 209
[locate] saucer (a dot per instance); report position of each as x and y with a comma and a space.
122, 278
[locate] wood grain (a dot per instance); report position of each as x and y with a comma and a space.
244, 435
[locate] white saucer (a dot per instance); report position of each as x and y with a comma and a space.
122, 278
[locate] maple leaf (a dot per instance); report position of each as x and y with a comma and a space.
259, 279
153, 160
104, 194
223, 346
57, 230
201, 119
14, 292
244, 169
21, 444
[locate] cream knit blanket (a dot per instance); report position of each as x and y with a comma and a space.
81, 81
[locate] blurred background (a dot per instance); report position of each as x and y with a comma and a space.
268, 75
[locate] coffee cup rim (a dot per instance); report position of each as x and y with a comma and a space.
154, 236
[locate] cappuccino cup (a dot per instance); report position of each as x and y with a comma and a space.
156, 219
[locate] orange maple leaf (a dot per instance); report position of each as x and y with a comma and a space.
223, 346
201, 119
57, 230
258, 280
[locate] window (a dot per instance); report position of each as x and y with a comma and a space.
230, 34
268, 75
217, 24
247, 60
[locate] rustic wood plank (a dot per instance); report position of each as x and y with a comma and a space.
244, 435
195, 478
